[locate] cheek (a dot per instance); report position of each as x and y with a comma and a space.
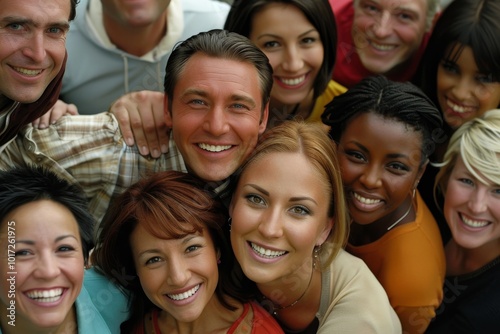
489, 98
410, 37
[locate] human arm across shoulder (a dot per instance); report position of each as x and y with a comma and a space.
354, 302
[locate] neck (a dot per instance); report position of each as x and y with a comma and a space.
279, 112
460, 260
135, 40
364, 234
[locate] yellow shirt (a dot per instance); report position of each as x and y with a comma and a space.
333, 89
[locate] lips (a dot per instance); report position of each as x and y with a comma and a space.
45, 296
364, 200
184, 295
214, 148
27, 71
265, 252
459, 108
292, 81
473, 223
382, 47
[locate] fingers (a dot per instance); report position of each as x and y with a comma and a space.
140, 116
59, 109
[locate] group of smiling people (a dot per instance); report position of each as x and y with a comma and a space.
367, 209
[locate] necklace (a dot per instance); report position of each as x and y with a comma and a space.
275, 308
402, 217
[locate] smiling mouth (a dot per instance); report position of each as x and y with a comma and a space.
184, 295
459, 109
45, 296
214, 148
266, 253
365, 200
26, 71
382, 47
294, 81
474, 223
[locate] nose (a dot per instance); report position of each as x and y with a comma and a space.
216, 121
292, 59
35, 48
383, 27
478, 201
371, 178
178, 272
47, 266
271, 224
463, 89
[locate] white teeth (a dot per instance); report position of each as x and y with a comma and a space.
45, 296
266, 252
474, 223
184, 295
366, 200
458, 109
27, 71
214, 148
383, 47
293, 82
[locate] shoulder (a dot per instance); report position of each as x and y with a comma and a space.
101, 305
263, 322
353, 301
205, 6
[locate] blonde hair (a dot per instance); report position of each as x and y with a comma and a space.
478, 144
311, 140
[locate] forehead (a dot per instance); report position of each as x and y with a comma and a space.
38, 11
380, 134
418, 6
212, 76
276, 17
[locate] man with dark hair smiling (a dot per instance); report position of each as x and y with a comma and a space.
32, 59
217, 92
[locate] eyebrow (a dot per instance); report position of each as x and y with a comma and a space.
292, 199
234, 97
33, 242
185, 240
391, 155
279, 37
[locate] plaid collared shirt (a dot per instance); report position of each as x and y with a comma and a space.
90, 151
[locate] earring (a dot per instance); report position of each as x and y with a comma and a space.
316, 251
229, 223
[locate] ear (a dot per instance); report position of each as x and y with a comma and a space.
166, 112
326, 231
263, 119
420, 173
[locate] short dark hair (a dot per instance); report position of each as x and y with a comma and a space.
219, 44
400, 101
318, 12
72, 13
472, 23
23, 185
